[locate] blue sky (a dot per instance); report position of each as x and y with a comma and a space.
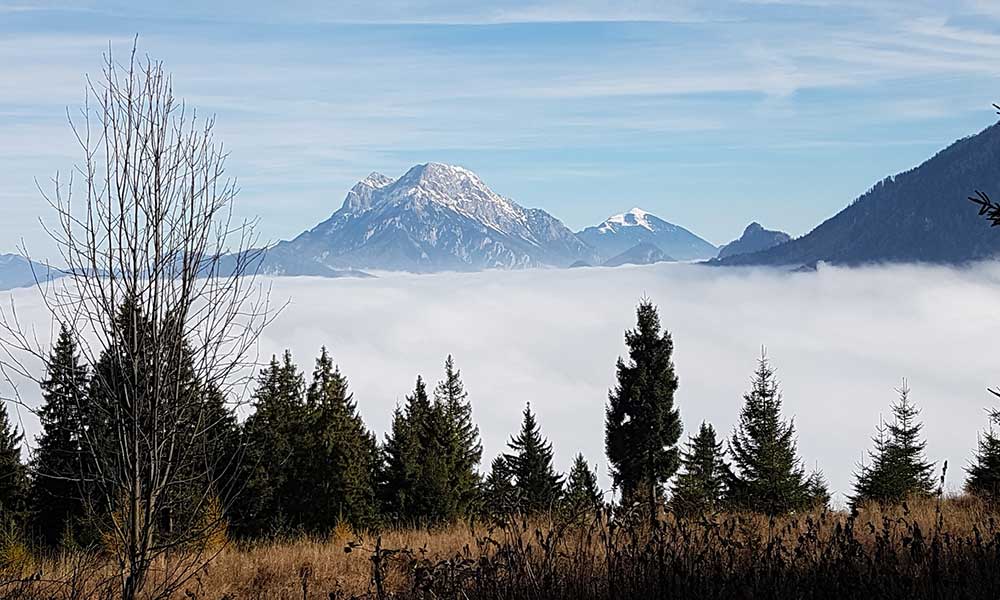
709, 114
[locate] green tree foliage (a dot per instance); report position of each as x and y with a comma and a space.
275, 434
768, 477
984, 472
642, 424
537, 485
818, 490
897, 468
499, 495
700, 487
13, 473
341, 456
57, 466
582, 491
417, 478
462, 447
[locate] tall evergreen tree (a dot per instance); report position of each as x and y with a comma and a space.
984, 472
700, 487
416, 481
57, 465
642, 425
13, 473
582, 491
463, 450
818, 490
769, 478
275, 435
537, 485
341, 455
898, 468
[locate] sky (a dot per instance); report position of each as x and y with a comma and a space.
841, 341
708, 114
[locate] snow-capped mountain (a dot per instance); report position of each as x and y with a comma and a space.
622, 232
754, 239
435, 217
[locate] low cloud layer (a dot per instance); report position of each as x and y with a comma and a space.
841, 341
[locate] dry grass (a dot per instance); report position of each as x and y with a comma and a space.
921, 550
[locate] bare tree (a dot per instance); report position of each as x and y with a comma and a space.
160, 287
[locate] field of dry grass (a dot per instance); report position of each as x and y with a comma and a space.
925, 549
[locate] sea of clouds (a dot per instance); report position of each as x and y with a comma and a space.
841, 340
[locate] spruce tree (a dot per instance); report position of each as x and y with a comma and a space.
537, 485
582, 491
463, 450
700, 487
416, 481
769, 477
984, 472
341, 455
13, 473
57, 464
898, 468
499, 495
275, 436
818, 490
642, 424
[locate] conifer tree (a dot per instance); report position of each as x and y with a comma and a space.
275, 437
984, 472
463, 450
898, 468
642, 425
818, 490
537, 485
416, 483
582, 491
498, 489
342, 455
769, 477
701, 485
57, 466
13, 473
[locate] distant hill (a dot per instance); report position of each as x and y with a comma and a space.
620, 233
754, 239
17, 271
643, 253
921, 215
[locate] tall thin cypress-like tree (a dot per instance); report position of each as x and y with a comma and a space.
768, 476
57, 467
537, 485
642, 424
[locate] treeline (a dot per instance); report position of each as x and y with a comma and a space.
305, 462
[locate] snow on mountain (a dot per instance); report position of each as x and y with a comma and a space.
435, 217
619, 233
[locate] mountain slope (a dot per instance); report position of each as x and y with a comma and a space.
622, 232
754, 239
921, 215
434, 218
17, 271
643, 253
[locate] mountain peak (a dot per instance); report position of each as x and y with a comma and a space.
753, 227
754, 239
635, 217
